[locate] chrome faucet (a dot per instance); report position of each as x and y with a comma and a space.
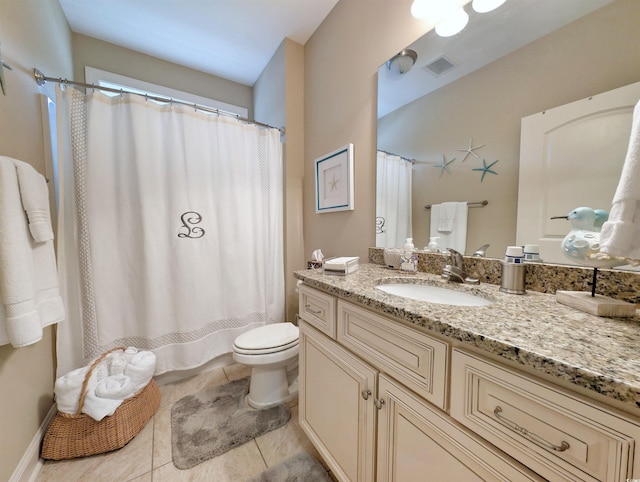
455, 271
480, 252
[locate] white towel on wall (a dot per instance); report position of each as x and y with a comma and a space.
446, 216
620, 236
449, 223
35, 201
28, 276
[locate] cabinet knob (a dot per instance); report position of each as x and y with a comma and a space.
378, 402
365, 394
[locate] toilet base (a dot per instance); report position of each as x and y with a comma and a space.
270, 387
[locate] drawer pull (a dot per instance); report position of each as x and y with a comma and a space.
365, 394
308, 308
378, 402
529, 435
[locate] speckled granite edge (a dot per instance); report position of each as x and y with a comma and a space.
599, 354
541, 277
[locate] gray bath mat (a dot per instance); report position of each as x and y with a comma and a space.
214, 421
301, 467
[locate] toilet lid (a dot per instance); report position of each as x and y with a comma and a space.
275, 335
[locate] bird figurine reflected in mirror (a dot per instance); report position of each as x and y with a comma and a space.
582, 243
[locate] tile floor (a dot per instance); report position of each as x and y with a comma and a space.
148, 456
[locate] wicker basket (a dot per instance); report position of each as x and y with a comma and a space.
78, 435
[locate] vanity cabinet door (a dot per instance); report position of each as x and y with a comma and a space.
336, 409
414, 358
418, 443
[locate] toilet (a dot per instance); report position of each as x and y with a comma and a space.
272, 353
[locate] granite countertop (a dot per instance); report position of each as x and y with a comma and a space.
600, 354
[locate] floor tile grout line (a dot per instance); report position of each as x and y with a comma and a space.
153, 441
261, 454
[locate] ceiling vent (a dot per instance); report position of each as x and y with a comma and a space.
439, 66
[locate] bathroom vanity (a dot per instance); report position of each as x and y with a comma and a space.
522, 389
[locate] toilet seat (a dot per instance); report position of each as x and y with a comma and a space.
270, 338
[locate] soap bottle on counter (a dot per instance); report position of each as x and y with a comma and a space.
432, 247
409, 262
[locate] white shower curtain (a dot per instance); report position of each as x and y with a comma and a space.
170, 229
393, 201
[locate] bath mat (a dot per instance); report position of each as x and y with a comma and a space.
301, 467
214, 421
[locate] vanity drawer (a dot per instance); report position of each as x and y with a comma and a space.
318, 309
555, 433
413, 358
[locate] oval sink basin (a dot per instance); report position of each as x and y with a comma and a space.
433, 294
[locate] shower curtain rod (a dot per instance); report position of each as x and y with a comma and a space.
41, 79
412, 161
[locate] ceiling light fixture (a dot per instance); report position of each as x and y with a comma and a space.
402, 62
432, 9
453, 23
484, 6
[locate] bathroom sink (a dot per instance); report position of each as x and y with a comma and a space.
433, 294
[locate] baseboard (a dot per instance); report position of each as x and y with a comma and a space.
31, 463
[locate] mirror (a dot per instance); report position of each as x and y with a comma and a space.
504, 68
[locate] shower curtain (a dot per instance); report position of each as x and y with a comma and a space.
170, 229
393, 200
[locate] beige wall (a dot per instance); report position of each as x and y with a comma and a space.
32, 34
88, 51
341, 61
279, 101
594, 54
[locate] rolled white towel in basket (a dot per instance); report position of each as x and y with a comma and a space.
67, 390
115, 387
141, 369
97, 407
130, 352
117, 363
120, 375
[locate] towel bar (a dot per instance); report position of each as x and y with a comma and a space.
473, 204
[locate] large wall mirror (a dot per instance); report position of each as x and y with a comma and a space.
459, 108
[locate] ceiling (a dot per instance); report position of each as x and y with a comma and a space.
236, 39
233, 39
487, 37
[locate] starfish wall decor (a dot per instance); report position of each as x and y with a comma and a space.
470, 149
444, 166
485, 169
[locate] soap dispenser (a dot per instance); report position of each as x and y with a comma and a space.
409, 263
432, 247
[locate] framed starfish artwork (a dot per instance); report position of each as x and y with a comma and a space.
334, 181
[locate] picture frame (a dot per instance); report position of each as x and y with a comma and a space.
334, 181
